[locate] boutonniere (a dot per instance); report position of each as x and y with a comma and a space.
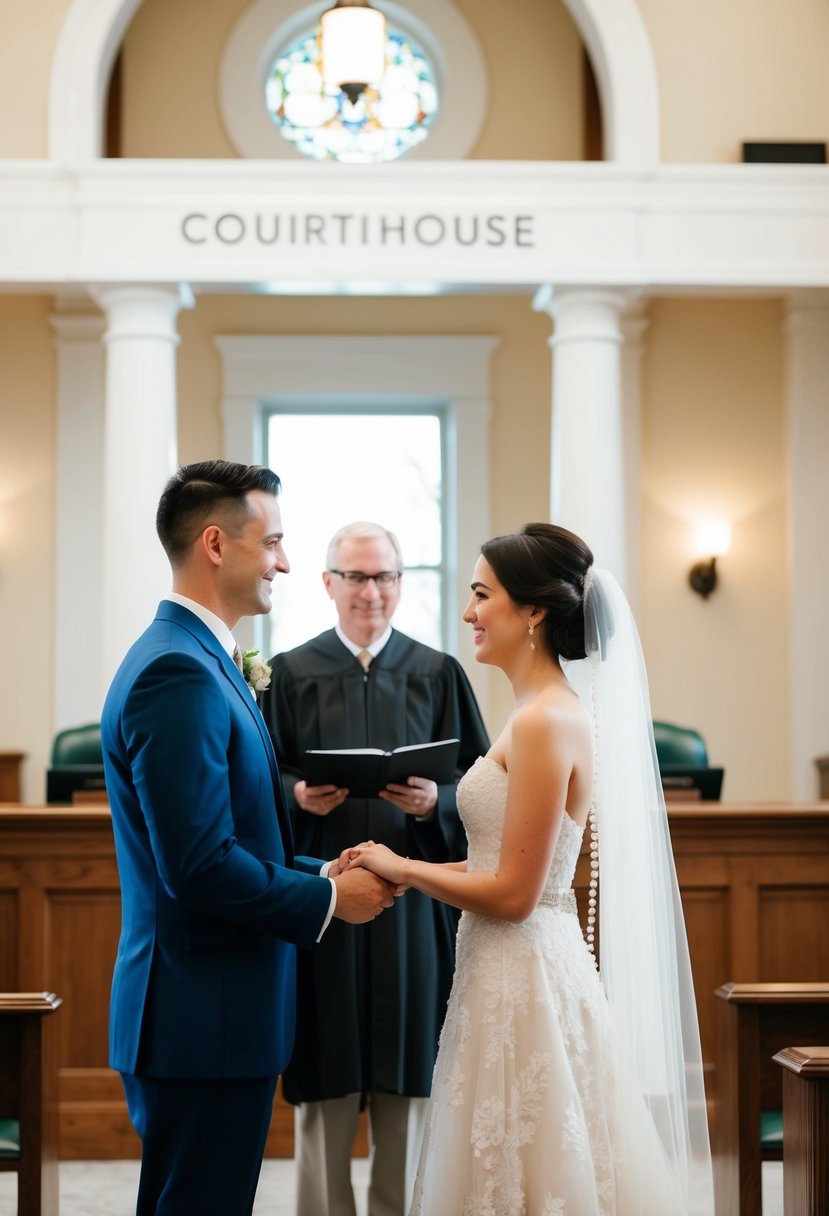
257, 673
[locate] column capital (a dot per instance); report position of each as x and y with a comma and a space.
142, 310
806, 311
78, 327
592, 313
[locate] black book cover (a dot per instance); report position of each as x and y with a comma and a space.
364, 771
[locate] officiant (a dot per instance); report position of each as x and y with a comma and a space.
371, 999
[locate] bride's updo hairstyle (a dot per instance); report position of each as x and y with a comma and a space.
543, 566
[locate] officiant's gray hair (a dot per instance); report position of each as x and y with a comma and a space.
361, 529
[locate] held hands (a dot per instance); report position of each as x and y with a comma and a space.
380, 860
361, 896
418, 797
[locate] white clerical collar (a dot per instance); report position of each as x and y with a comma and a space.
214, 623
375, 647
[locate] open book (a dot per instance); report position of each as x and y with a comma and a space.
364, 771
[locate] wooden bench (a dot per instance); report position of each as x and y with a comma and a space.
806, 1130
28, 1100
755, 1021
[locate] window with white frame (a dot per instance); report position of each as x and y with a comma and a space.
445, 377
342, 465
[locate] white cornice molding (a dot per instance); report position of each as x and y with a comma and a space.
678, 227
436, 366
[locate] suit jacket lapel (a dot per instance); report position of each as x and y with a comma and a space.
170, 611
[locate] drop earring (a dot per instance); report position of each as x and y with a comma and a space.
530, 631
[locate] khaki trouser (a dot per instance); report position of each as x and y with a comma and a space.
325, 1133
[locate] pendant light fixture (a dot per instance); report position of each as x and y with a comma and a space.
353, 45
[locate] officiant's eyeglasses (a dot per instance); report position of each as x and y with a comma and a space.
356, 578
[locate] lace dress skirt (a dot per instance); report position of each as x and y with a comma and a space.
533, 1111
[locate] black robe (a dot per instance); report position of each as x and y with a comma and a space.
372, 998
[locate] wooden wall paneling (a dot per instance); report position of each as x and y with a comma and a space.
755, 854
9, 932
94, 1123
60, 864
707, 923
11, 764
83, 930
33, 941
744, 954
84, 926
794, 931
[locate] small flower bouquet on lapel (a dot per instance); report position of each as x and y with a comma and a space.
257, 673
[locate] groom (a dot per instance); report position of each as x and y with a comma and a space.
214, 901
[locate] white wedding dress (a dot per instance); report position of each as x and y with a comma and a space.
533, 1110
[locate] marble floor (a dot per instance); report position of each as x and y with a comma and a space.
107, 1188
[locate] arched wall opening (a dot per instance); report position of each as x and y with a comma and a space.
614, 36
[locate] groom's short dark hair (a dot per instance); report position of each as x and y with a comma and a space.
198, 494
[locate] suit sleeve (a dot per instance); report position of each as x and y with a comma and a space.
198, 773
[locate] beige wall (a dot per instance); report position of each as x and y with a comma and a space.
715, 445
172, 52
730, 71
727, 72
29, 34
27, 559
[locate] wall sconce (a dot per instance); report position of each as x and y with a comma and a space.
712, 540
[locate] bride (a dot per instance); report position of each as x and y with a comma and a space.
557, 1092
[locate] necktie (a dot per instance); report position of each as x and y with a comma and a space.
237, 658
364, 659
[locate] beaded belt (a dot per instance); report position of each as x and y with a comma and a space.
562, 901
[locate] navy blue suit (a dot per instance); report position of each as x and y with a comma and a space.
213, 904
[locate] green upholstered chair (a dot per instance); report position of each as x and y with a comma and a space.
78, 745
679, 745
77, 765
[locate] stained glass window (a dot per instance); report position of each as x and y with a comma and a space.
385, 122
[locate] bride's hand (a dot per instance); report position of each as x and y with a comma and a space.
343, 862
381, 861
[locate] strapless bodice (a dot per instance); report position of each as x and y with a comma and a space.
482, 805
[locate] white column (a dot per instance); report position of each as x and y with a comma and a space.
806, 328
243, 425
467, 454
634, 325
587, 491
244, 430
139, 456
78, 510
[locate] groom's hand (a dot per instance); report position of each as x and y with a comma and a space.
361, 896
